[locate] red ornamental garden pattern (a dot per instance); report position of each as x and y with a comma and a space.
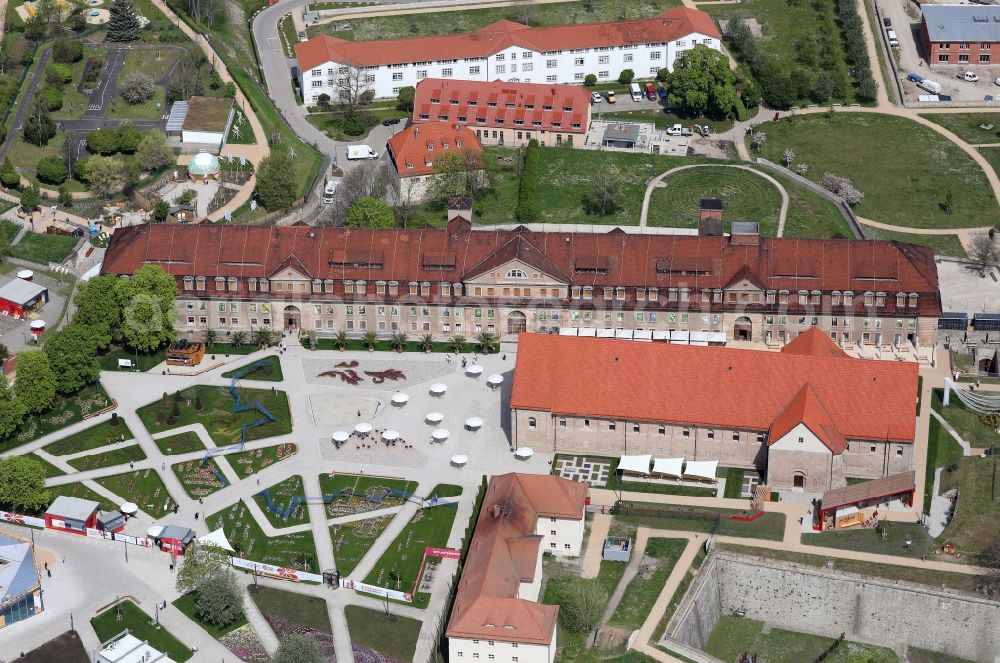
346, 371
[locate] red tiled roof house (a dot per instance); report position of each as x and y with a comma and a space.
415, 152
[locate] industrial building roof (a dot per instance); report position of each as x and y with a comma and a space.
74, 508
962, 23
20, 291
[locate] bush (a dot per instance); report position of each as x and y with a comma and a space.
527, 206
67, 51
52, 98
128, 138
354, 125
590, 80
103, 142
626, 76
741, 110
92, 69
51, 170
843, 187
58, 74
662, 74
136, 88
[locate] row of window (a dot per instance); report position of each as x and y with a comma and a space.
499, 120
984, 46
962, 57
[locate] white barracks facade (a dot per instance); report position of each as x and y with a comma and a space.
508, 51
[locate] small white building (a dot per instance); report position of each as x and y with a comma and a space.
202, 121
507, 51
495, 616
126, 648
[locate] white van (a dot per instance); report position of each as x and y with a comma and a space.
361, 152
636, 92
893, 40
329, 191
931, 86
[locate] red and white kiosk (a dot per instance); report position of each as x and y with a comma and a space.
72, 514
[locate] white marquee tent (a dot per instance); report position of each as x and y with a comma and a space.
635, 464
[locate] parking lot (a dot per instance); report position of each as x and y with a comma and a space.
912, 58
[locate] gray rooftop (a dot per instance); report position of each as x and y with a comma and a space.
178, 113
17, 573
177, 532
21, 291
744, 228
962, 23
73, 508
622, 131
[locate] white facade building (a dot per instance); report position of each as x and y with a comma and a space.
507, 51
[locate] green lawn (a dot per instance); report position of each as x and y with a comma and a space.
292, 550
304, 610
395, 636
110, 458
241, 133
270, 373
180, 443
246, 463
769, 526
84, 493
331, 123
65, 410
43, 249
217, 415
735, 635
810, 215
869, 540
26, 156
75, 102
430, 526
966, 423
352, 540
153, 62
958, 581
282, 494
153, 109
943, 245
884, 155
918, 655
144, 488
942, 451
967, 125
357, 493
572, 646
977, 515
447, 22
198, 478
645, 588
745, 197
145, 362
50, 469
100, 435
734, 482
992, 155
188, 604
139, 623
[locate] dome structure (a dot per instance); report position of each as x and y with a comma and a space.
204, 166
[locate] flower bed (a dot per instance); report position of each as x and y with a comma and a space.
199, 479
247, 463
143, 487
245, 645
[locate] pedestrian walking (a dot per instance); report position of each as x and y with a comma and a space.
504, 357
163, 466
48, 572
64, 559
196, 515
359, 412
258, 482
131, 465
46, 566
201, 500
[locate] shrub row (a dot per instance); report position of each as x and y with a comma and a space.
856, 48
527, 194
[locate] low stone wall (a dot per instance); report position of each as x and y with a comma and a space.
844, 208
826, 602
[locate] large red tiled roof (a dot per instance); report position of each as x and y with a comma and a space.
707, 386
503, 553
588, 259
668, 26
421, 145
807, 409
449, 100
815, 343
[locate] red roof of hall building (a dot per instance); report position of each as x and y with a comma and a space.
417, 147
719, 387
528, 106
493, 38
503, 554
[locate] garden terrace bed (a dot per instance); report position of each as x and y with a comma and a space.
65, 410
355, 493
284, 495
870, 540
100, 435
199, 479
289, 550
84, 493
248, 463
353, 540
770, 525
394, 637
977, 513
107, 625
180, 443
270, 373
978, 430
43, 249
110, 458
142, 487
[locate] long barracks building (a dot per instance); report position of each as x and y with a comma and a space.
457, 280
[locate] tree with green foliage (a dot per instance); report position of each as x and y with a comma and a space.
51, 170
590, 80
72, 353
105, 175
9, 176
35, 28
527, 193
220, 599
486, 342
147, 304
662, 74
128, 138
370, 212
160, 211
123, 22
35, 387
238, 339
58, 74
22, 484
11, 413
210, 338
626, 77
30, 198
581, 604
297, 648
276, 185
136, 88
38, 126
67, 51
406, 97
52, 97
103, 142
949, 201
604, 195
97, 308
398, 341
65, 196
702, 83
201, 562
369, 339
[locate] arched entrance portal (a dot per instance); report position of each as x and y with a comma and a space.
743, 330
293, 318
516, 323
798, 481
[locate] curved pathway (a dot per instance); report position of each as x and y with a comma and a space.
657, 182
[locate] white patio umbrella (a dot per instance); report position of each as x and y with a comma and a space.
129, 508
495, 379
473, 422
459, 460
363, 427
390, 435
341, 436
438, 388
524, 452
474, 369
440, 434
400, 399
434, 417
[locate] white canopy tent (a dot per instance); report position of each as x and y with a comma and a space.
217, 538
129, 508
364, 427
438, 388
341, 436
567, 331
495, 379
524, 452
642, 335
699, 338
679, 337
635, 464
434, 417
474, 423
587, 331
661, 335
474, 369
605, 333
459, 460
440, 434
400, 398
701, 470
716, 338
390, 435
668, 467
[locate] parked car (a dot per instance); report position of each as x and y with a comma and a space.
610, 96
916, 78
661, 92
596, 98
996, 82
969, 77
388, 122
650, 92
893, 40
887, 22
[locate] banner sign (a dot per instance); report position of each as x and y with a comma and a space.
18, 519
98, 534
445, 553
376, 590
134, 540
279, 571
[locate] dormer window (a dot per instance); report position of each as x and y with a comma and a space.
516, 274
